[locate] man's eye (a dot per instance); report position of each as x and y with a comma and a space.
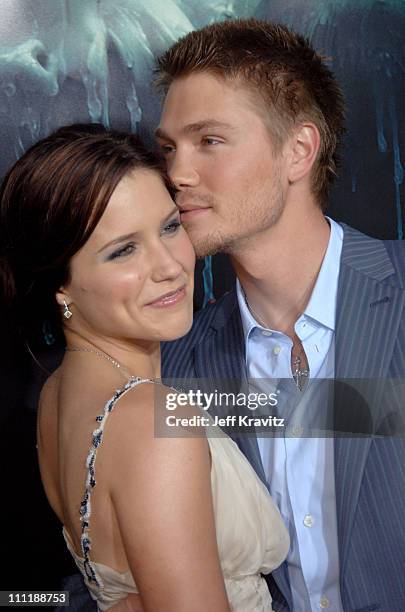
172, 227
123, 251
210, 141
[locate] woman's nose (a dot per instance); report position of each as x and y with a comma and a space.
165, 265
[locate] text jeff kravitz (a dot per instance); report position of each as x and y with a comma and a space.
228, 421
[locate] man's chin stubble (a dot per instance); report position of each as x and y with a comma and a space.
214, 244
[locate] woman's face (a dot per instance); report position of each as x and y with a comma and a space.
133, 279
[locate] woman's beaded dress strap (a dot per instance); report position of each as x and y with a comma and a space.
85, 505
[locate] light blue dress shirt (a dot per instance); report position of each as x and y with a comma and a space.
300, 470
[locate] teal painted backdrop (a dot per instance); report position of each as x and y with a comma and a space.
63, 61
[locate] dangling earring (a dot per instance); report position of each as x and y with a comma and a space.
66, 312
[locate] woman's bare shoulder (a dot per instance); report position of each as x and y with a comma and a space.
146, 408
138, 431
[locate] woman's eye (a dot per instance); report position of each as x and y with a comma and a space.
172, 227
123, 251
166, 149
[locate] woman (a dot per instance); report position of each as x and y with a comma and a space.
92, 240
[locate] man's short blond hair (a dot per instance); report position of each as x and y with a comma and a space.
287, 79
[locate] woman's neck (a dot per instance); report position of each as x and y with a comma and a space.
137, 357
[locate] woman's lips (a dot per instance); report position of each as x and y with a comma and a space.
169, 299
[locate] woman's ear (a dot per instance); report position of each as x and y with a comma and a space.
64, 302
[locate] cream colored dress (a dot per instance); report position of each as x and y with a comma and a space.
252, 539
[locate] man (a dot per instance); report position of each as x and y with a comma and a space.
250, 126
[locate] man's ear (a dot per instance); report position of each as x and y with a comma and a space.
305, 146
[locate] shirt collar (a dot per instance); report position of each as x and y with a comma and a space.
322, 303
248, 321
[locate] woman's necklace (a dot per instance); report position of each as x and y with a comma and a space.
114, 362
299, 362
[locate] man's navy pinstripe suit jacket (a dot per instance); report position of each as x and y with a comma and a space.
369, 472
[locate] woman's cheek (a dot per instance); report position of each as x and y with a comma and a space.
118, 283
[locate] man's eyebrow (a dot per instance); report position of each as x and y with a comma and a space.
134, 235
198, 126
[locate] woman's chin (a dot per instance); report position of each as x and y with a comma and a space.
177, 331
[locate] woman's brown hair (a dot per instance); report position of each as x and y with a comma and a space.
50, 202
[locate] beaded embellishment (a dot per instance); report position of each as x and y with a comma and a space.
85, 505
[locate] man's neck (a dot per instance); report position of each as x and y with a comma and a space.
279, 267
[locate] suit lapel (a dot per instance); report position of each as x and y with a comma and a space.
220, 364
221, 354
369, 311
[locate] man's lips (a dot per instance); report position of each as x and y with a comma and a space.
192, 211
191, 202
169, 299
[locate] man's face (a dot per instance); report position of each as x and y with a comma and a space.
220, 157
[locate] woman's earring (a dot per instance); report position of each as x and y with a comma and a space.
66, 312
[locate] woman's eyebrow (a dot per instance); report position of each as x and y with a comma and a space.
133, 235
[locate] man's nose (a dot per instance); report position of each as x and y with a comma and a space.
182, 171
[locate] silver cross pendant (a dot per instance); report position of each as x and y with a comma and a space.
300, 375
